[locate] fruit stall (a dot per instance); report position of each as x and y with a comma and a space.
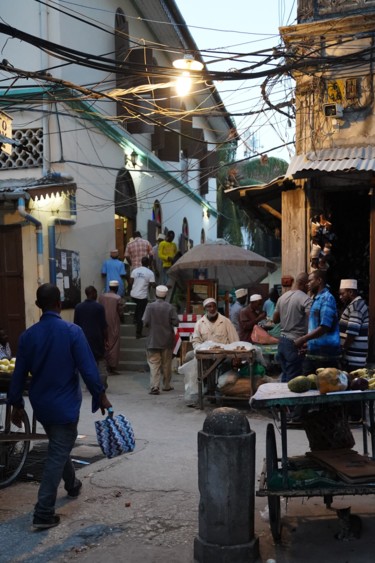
331, 467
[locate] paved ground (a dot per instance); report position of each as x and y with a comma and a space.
142, 507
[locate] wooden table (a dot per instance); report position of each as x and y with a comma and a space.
216, 358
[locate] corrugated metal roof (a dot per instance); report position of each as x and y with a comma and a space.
344, 159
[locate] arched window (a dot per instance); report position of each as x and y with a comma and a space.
125, 196
154, 226
184, 237
156, 213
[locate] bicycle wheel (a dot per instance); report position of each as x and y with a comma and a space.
13, 453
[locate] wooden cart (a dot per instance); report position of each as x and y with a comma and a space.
210, 360
275, 479
14, 441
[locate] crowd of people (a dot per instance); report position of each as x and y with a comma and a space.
311, 334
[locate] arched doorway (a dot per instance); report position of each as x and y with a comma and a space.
125, 209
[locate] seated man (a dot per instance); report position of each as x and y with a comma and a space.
213, 326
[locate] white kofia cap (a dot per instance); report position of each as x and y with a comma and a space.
240, 292
256, 297
114, 283
208, 301
161, 290
348, 284
161, 237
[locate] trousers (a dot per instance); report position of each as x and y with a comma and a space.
160, 362
58, 465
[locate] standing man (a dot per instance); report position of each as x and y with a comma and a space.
323, 338
270, 303
114, 269
114, 312
167, 251
235, 309
90, 316
161, 318
292, 312
251, 316
52, 351
213, 326
353, 325
140, 281
157, 264
136, 250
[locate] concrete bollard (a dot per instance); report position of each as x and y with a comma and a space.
226, 480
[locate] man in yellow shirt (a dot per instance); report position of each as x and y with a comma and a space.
167, 251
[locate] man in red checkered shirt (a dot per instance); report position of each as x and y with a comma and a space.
137, 249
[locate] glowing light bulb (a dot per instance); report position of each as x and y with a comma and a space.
183, 84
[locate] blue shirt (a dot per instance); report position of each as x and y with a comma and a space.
52, 351
113, 268
323, 312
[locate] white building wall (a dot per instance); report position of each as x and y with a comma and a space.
75, 147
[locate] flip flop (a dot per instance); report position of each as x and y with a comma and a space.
169, 389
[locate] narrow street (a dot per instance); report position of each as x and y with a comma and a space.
143, 506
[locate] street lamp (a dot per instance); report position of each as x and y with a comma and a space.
131, 159
187, 64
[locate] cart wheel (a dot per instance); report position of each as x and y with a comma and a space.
13, 453
271, 468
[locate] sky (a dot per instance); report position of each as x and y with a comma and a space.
245, 26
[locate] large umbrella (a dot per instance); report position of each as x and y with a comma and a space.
231, 265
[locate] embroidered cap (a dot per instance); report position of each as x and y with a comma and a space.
348, 284
208, 301
240, 293
161, 290
114, 283
256, 297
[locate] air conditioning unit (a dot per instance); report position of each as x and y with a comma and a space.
333, 110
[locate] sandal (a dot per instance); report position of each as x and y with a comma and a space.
154, 391
168, 389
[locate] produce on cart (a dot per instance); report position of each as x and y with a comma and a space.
332, 467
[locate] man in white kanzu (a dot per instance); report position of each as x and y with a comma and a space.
213, 326
141, 279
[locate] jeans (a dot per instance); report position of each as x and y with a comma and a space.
289, 358
58, 465
311, 364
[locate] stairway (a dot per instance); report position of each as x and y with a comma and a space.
132, 350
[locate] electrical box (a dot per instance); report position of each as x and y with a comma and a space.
333, 110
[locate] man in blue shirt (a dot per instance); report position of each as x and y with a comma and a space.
53, 351
114, 269
323, 337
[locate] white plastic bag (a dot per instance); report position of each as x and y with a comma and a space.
190, 372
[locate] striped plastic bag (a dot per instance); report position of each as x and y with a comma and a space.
115, 435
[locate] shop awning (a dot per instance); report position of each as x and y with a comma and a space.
262, 200
30, 188
326, 161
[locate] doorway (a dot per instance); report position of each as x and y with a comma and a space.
12, 310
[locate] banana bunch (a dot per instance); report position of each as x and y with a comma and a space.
362, 372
